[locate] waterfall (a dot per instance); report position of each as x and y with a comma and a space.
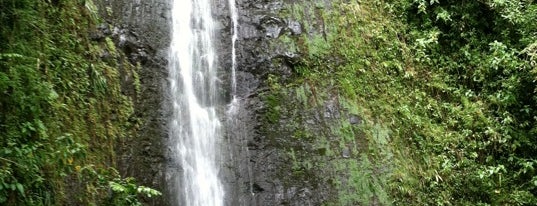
234, 36
194, 126
234, 15
236, 126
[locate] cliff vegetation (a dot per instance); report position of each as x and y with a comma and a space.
62, 108
411, 102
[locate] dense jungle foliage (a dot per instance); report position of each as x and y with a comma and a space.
62, 110
446, 90
473, 123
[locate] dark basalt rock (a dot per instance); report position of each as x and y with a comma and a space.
271, 26
139, 30
294, 27
256, 167
355, 119
270, 178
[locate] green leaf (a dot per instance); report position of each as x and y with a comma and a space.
116, 187
20, 188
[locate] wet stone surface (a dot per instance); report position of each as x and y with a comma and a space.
255, 166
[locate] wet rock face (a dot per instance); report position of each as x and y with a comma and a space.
255, 166
260, 24
269, 180
140, 30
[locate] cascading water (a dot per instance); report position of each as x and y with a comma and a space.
233, 107
194, 127
236, 125
234, 36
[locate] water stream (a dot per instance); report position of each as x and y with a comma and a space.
234, 36
194, 127
235, 105
236, 127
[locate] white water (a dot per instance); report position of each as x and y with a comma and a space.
195, 129
235, 104
234, 36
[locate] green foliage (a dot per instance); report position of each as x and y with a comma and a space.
126, 192
110, 188
451, 83
62, 108
484, 108
273, 100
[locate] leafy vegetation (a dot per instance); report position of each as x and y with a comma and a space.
450, 85
485, 99
62, 108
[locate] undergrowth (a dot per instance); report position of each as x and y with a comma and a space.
62, 108
447, 99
